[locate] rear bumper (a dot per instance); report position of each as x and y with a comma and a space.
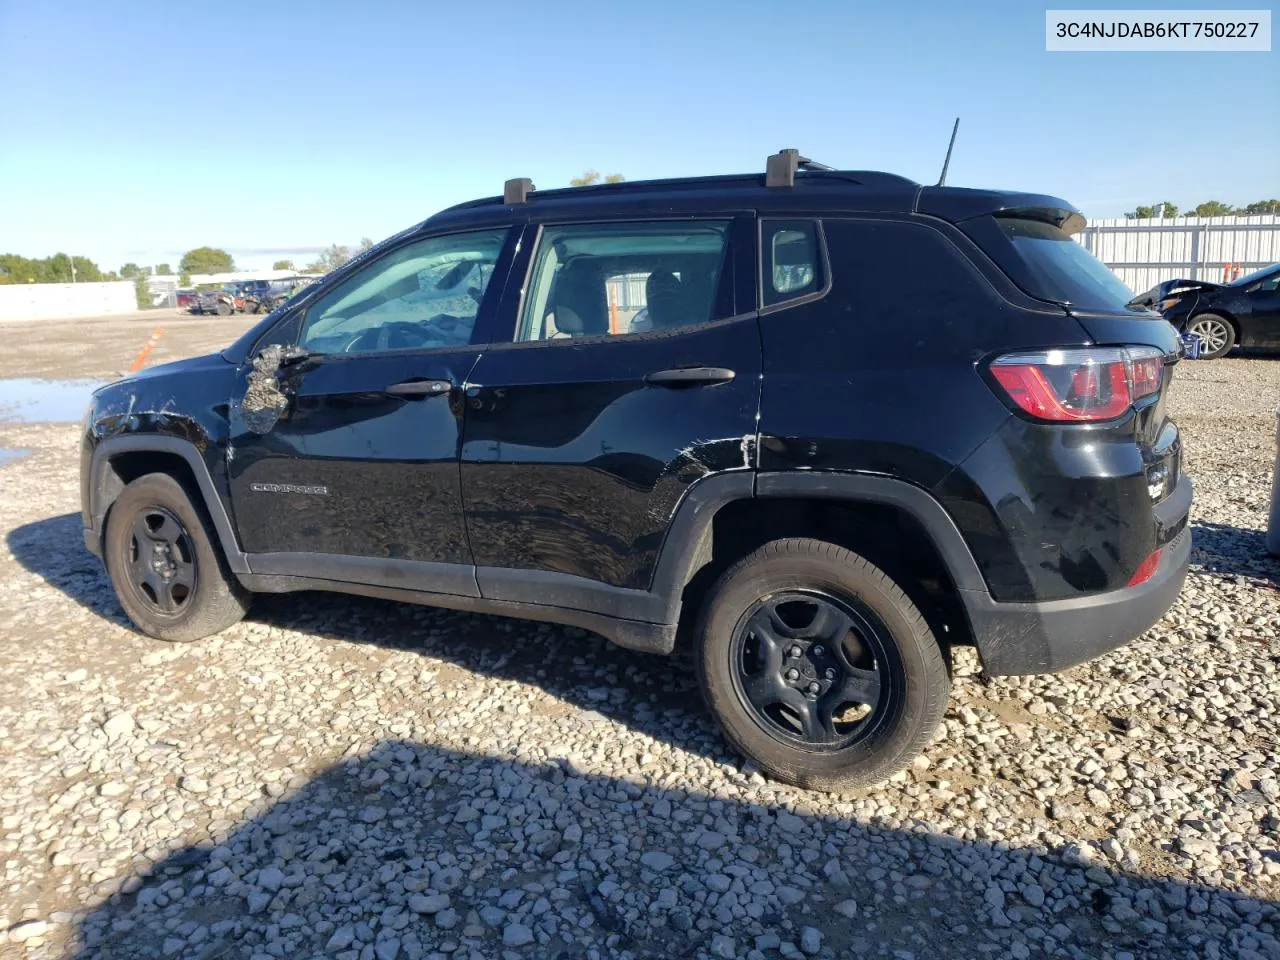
1029, 638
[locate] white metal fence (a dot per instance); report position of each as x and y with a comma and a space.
1145, 252
48, 301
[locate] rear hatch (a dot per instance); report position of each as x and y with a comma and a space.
1036, 248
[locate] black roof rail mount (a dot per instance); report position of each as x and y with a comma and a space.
517, 190
780, 169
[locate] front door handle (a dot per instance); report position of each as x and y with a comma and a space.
691, 376
419, 388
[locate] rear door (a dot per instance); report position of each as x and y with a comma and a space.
631, 371
350, 454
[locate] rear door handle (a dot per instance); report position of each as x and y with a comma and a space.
691, 376
419, 388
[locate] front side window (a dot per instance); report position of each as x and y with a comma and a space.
620, 278
425, 294
792, 265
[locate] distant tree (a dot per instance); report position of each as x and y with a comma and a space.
330, 259
1262, 206
184, 279
365, 244
283, 265
130, 271
162, 270
593, 176
1212, 208
142, 293
56, 269
206, 260
1165, 209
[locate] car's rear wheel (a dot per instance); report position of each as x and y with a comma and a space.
1216, 333
224, 309
819, 667
168, 576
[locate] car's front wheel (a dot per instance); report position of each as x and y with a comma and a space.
819, 667
168, 575
1216, 334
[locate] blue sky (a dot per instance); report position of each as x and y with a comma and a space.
135, 131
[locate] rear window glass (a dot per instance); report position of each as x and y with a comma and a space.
1048, 264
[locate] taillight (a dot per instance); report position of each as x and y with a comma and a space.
1084, 385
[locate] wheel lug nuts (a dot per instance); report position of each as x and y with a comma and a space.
793, 652
793, 674
831, 674
814, 688
819, 650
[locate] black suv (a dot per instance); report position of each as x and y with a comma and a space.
863, 421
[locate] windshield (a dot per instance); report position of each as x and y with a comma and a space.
1048, 264
1254, 277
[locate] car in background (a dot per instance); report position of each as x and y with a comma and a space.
1244, 312
186, 298
224, 301
263, 296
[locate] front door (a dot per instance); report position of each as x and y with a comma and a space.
626, 377
1264, 307
344, 447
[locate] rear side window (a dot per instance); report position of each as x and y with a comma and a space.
612, 279
1048, 264
792, 258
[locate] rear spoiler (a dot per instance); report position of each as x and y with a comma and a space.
957, 204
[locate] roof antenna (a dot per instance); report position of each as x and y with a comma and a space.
942, 180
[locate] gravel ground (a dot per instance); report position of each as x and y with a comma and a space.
105, 347
371, 781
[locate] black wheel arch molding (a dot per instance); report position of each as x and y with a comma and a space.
104, 485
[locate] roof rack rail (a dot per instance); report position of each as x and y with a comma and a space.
517, 190
780, 169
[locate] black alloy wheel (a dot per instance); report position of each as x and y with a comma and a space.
812, 669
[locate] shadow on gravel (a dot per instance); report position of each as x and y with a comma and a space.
54, 550
655, 695
1219, 548
410, 850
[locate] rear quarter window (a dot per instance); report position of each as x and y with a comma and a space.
1049, 264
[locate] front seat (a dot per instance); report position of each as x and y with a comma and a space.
664, 296
578, 302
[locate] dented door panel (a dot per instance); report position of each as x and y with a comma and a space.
324, 460
573, 464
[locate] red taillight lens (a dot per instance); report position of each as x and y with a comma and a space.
1064, 386
1146, 570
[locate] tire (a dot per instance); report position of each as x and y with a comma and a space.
1216, 329
199, 596
884, 653
225, 309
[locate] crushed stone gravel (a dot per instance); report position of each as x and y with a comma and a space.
362, 780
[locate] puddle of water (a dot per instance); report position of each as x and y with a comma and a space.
25, 400
11, 456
